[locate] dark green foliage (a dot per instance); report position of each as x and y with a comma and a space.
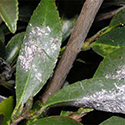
28, 59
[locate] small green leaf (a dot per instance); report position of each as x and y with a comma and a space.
110, 41
13, 48
114, 121
113, 66
39, 51
55, 121
84, 110
6, 108
98, 93
66, 113
9, 13
118, 19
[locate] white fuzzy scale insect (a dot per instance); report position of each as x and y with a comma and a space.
34, 46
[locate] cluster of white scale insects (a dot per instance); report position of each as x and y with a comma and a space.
34, 46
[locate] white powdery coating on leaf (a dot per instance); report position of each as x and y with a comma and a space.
33, 47
27, 55
53, 43
39, 45
110, 101
39, 76
120, 73
48, 28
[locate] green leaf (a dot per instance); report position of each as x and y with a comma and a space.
39, 51
113, 66
118, 19
6, 108
114, 121
110, 42
13, 48
84, 110
55, 121
9, 13
98, 93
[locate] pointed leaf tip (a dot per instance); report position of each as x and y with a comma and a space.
9, 13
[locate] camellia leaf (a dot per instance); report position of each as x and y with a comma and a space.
118, 19
110, 41
6, 108
9, 13
13, 48
39, 51
114, 121
55, 121
98, 93
113, 66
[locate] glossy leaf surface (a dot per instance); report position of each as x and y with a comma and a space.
98, 93
113, 66
55, 121
114, 121
110, 41
118, 19
13, 48
39, 51
9, 13
6, 108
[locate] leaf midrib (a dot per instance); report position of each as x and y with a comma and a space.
29, 74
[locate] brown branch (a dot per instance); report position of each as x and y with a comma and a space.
108, 15
75, 43
17, 121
